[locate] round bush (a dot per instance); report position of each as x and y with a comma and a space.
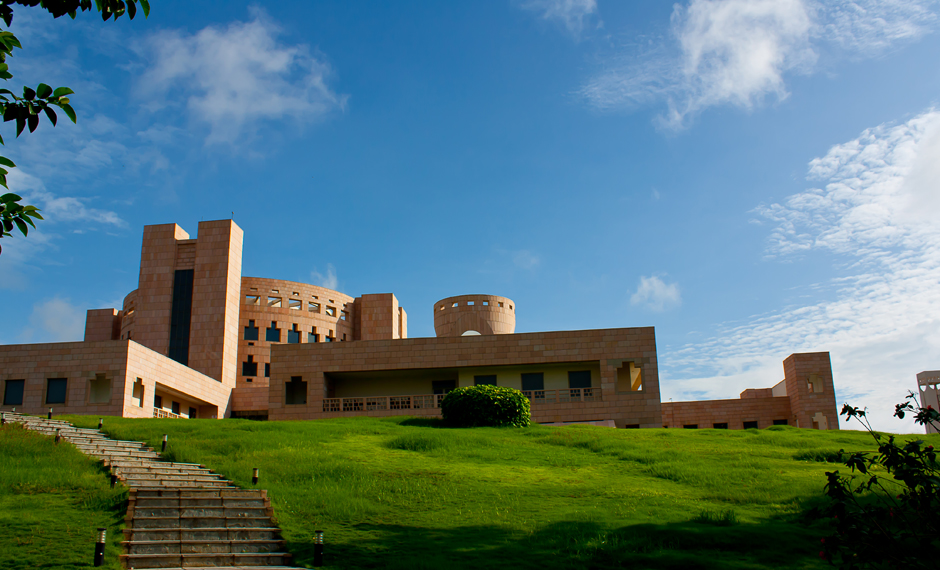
475, 406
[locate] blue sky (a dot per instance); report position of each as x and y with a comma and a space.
751, 177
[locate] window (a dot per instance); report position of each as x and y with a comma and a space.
13, 392
330, 337
252, 300
176, 408
193, 413
331, 311
469, 303
690, 426
344, 337
251, 331
139, 392
295, 304
313, 307
56, 389
312, 335
272, 334
267, 369
781, 423
158, 402
180, 315
99, 390
443, 386
633, 426
533, 381
579, 379
486, 303
293, 335
750, 425
500, 304
484, 380
629, 378
250, 367
343, 315
720, 426
274, 302
295, 392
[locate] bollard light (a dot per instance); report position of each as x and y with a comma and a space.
50, 414
162, 449
254, 476
113, 480
57, 435
99, 547
100, 422
318, 548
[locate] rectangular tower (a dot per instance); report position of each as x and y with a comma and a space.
811, 390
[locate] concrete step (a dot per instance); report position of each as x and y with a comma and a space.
201, 512
158, 468
176, 534
202, 546
183, 494
137, 462
218, 502
200, 522
205, 560
151, 484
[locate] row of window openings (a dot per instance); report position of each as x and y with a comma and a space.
273, 334
99, 393
471, 303
295, 294
174, 406
747, 425
532, 381
297, 305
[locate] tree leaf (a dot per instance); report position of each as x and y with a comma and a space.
28, 94
51, 114
33, 122
43, 91
10, 197
7, 162
20, 125
69, 111
145, 5
62, 92
21, 225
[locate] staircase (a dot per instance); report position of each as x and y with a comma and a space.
179, 515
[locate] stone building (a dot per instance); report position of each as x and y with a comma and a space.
196, 339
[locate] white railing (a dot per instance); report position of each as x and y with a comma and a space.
428, 401
161, 413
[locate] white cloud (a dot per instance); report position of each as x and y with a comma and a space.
653, 293
882, 326
58, 208
525, 259
574, 15
55, 320
739, 52
235, 77
329, 280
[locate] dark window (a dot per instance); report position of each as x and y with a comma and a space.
296, 391
344, 337
251, 331
176, 408
267, 369
720, 426
56, 389
250, 368
443, 386
533, 381
579, 379
272, 334
485, 380
633, 426
192, 412
690, 426
750, 425
781, 423
180, 315
293, 336
312, 335
13, 392
158, 402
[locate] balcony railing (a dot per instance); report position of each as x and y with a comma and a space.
427, 401
160, 413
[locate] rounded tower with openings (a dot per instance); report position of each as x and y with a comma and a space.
474, 314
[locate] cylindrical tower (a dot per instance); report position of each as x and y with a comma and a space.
469, 314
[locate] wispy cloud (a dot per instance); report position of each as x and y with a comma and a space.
739, 52
236, 77
655, 294
54, 320
573, 15
59, 208
876, 211
525, 259
329, 280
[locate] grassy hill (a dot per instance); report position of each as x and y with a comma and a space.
407, 493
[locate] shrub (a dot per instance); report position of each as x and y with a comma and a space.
884, 515
475, 406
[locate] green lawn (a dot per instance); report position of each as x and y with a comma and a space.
407, 493
52, 500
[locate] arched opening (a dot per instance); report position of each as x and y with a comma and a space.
471, 333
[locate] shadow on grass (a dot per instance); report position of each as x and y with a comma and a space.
424, 422
570, 545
